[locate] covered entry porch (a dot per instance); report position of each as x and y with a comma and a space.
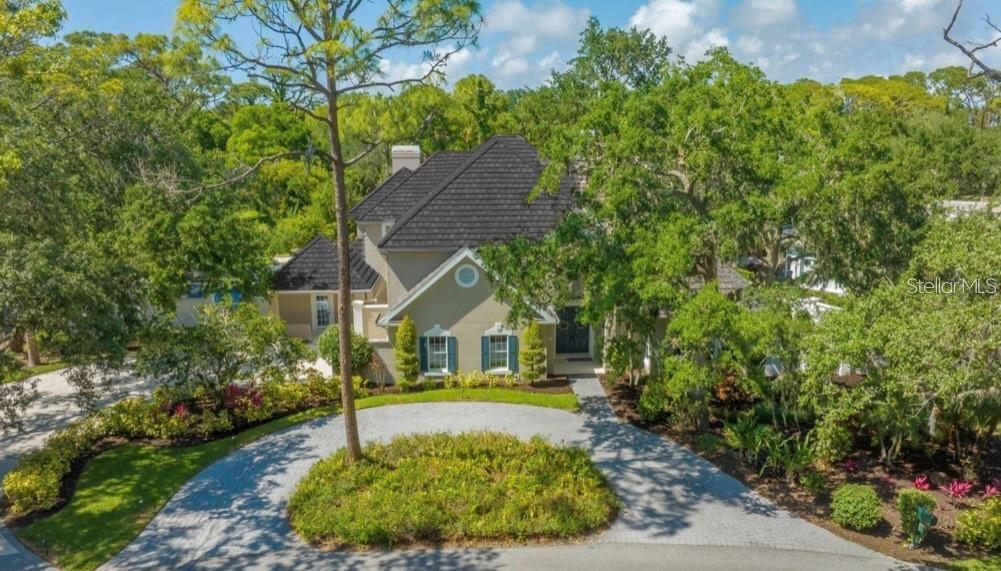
575, 345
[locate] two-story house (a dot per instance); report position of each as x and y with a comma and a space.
415, 255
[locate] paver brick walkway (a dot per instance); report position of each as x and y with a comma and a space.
680, 510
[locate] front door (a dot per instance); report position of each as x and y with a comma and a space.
571, 335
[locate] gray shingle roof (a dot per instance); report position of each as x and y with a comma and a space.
392, 203
482, 200
728, 279
316, 266
372, 199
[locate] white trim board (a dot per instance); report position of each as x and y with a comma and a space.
545, 317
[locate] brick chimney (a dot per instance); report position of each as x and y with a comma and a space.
408, 156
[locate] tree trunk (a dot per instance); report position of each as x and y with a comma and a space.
344, 276
31, 349
17, 342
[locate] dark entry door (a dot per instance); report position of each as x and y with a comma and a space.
571, 336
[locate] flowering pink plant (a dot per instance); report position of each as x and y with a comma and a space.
991, 490
922, 483
236, 397
959, 488
181, 410
851, 466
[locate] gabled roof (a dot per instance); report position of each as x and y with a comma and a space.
393, 313
316, 267
484, 199
372, 199
392, 202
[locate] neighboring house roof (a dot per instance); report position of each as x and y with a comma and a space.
484, 199
464, 254
372, 199
391, 203
316, 267
728, 279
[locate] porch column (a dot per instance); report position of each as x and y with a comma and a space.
358, 316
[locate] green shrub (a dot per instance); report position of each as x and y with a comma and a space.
856, 506
32, 486
358, 385
981, 527
173, 413
532, 354
329, 343
908, 501
442, 487
35, 482
834, 441
405, 352
815, 483
747, 436
791, 456
131, 418
654, 402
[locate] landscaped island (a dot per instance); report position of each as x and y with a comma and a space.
440, 488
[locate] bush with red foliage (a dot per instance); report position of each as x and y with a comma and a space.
959, 489
922, 483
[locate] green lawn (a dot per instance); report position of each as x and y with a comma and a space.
988, 563
120, 490
476, 486
563, 401
36, 370
44, 368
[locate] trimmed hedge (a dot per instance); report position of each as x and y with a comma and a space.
172, 414
981, 527
908, 501
856, 506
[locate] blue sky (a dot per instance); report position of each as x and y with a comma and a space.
523, 39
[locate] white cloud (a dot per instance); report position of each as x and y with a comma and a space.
714, 38
551, 61
750, 44
525, 30
528, 26
510, 66
911, 5
672, 19
399, 71
764, 13
683, 23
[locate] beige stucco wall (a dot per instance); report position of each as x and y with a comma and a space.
405, 269
186, 313
371, 233
548, 334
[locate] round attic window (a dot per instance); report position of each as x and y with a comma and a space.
467, 275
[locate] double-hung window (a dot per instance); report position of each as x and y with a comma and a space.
497, 354
437, 354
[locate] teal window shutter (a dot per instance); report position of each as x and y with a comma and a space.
512, 353
422, 344
484, 353
453, 355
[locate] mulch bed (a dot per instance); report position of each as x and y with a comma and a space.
888, 538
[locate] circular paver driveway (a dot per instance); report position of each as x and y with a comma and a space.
232, 514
